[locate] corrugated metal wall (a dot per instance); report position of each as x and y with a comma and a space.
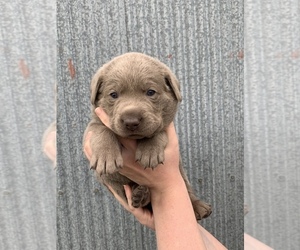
272, 122
202, 42
27, 79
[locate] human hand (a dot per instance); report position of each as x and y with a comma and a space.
159, 179
49, 142
164, 176
143, 215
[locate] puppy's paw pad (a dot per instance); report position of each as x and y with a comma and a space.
140, 196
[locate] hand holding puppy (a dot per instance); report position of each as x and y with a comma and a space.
160, 178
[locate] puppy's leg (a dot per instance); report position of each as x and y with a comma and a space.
201, 209
116, 181
140, 194
150, 151
106, 150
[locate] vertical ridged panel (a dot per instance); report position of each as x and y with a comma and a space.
200, 41
27, 79
272, 122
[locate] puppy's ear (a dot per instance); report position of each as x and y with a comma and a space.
173, 84
95, 86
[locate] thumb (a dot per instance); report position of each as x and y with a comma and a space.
103, 116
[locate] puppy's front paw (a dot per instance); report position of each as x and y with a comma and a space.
150, 151
107, 162
106, 157
148, 155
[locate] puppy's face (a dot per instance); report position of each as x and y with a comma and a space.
139, 93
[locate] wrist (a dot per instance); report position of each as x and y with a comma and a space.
168, 189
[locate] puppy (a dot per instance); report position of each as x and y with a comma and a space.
140, 95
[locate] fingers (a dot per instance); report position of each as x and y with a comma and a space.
122, 202
144, 216
87, 146
128, 193
103, 116
49, 146
171, 132
127, 143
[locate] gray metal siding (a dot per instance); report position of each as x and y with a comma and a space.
272, 122
202, 43
27, 107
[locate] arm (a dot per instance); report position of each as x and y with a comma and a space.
174, 219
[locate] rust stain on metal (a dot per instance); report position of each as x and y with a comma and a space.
295, 54
24, 68
238, 54
241, 54
71, 68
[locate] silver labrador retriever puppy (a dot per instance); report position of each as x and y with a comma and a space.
140, 95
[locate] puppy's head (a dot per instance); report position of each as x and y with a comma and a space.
139, 93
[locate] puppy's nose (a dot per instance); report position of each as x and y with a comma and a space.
132, 123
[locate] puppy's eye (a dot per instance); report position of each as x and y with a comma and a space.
114, 95
151, 92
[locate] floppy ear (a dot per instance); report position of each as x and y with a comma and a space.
173, 84
95, 86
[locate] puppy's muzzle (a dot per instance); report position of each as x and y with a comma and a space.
131, 123
131, 120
